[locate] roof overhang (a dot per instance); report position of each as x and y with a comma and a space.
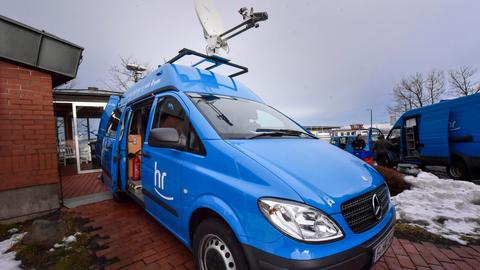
83, 95
23, 44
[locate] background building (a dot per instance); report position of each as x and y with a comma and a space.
322, 132
77, 117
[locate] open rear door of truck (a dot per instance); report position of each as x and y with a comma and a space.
433, 137
104, 121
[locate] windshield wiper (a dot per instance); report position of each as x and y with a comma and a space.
219, 113
279, 133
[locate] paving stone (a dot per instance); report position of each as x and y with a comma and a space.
137, 241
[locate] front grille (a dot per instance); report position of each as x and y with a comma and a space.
358, 212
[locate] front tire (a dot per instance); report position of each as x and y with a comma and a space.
215, 247
458, 170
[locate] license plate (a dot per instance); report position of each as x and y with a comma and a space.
382, 247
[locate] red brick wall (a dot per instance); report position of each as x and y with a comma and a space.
27, 128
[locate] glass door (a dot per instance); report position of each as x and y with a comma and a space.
86, 120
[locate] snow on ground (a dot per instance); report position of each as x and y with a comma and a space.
67, 240
444, 207
7, 260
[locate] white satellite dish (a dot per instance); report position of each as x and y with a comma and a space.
212, 26
213, 29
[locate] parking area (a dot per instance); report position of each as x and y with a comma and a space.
131, 239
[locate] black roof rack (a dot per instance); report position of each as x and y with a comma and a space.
215, 60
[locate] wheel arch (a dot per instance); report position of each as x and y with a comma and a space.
455, 156
211, 206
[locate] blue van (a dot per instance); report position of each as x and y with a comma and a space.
238, 182
444, 134
345, 142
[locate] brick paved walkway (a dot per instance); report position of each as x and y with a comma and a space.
134, 240
81, 184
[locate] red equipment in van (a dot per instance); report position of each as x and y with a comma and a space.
136, 168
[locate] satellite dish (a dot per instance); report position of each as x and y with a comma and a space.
136, 70
212, 26
213, 29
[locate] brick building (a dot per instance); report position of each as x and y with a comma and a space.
32, 62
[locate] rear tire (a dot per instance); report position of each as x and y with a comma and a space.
215, 247
458, 170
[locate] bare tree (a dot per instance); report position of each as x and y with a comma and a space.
120, 77
415, 91
434, 86
461, 81
412, 89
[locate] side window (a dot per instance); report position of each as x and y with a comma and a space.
170, 114
194, 143
394, 134
376, 133
113, 123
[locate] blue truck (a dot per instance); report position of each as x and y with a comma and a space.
444, 134
238, 182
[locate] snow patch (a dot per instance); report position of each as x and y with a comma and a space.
7, 260
67, 240
12, 230
444, 207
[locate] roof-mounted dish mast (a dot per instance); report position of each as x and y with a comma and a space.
213, 29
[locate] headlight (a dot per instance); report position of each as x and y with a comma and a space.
299, 221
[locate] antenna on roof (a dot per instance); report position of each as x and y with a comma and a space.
136, 70
213, 30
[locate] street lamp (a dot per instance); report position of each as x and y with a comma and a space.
371, 117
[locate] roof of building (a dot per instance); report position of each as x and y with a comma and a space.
321, 127
35, 48
92, 94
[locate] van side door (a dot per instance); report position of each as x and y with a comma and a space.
111, 156
104, 124
433, 137
107, 146
161, 166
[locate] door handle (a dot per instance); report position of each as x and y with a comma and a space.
146, 155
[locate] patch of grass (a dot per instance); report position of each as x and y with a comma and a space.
417, 234
76, 256
30, 255
4, 231
471, 241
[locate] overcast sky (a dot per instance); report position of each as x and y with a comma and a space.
321, 62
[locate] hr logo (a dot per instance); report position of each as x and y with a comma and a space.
159, 183
452, 125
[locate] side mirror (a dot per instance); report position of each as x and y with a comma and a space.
166, 138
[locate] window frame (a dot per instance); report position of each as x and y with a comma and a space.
113, 117
391, 131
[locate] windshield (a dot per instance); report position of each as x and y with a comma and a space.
236, 118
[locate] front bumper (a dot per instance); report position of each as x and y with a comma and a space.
359, 257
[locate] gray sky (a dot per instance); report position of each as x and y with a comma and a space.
321, 62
